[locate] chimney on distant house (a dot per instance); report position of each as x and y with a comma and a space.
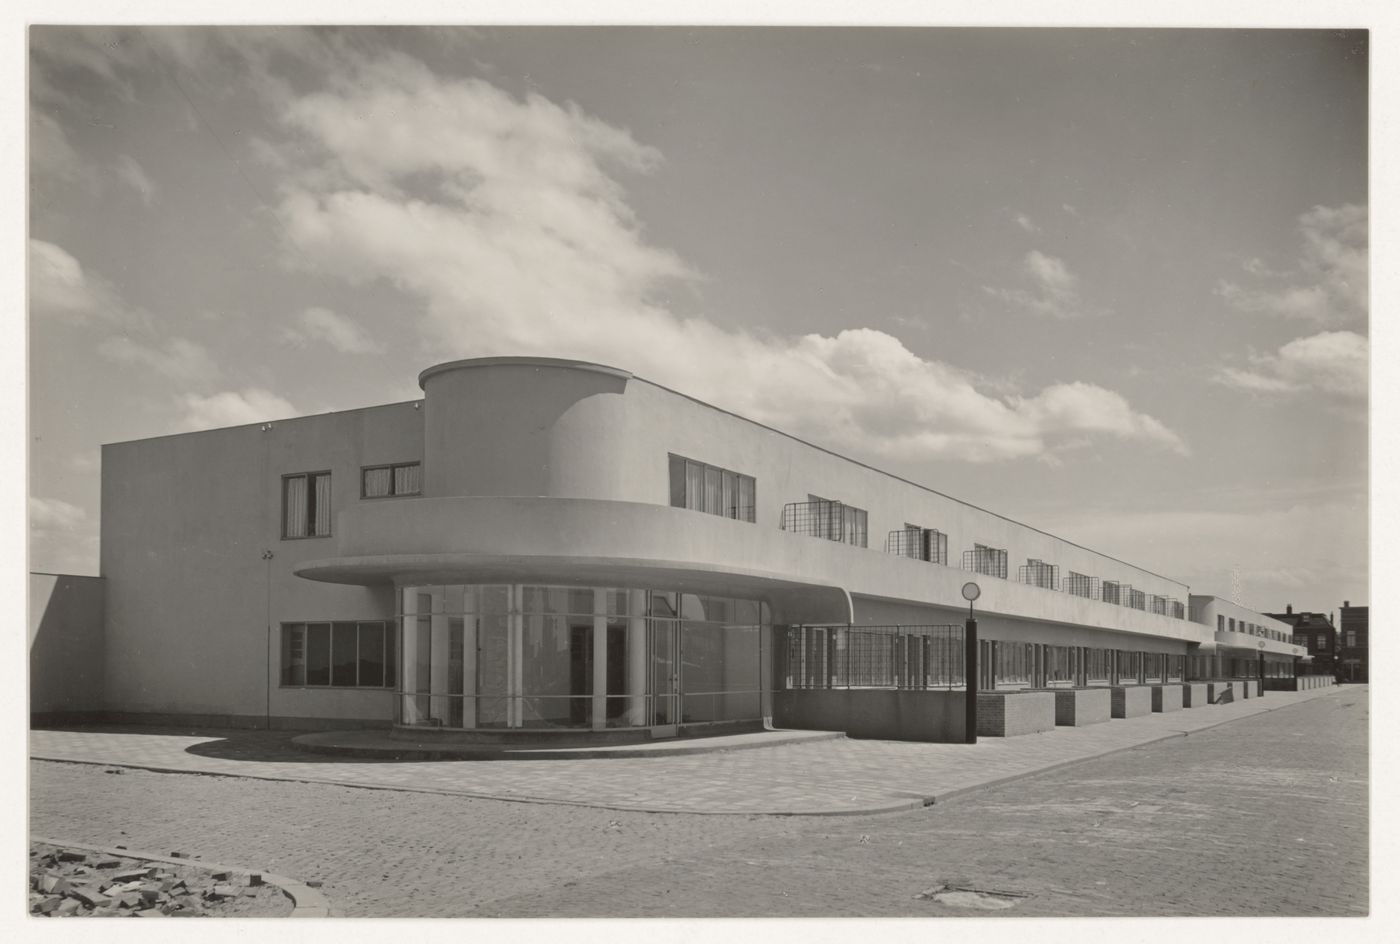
1346, 604
1290, 609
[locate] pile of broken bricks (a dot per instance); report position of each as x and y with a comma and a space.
66, 883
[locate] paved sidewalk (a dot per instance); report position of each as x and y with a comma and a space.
840, 776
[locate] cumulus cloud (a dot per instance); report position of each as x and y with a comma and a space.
507, 218
1204, 547
176, 358
58, 286
52, 158
1334, 362
1054, 288
233, 408
1026, 223
325, 326
1328, 282
52, 514
134, 176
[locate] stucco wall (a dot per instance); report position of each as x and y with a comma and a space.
193, 606
65, 644
580, 433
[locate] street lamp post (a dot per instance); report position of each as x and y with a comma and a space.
970, 592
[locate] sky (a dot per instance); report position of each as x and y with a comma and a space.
1110, 283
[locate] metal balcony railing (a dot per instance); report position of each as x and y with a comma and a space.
905, 658
820, 519
1118, 593
985, 560
1082, 585
1037, 573
918, 543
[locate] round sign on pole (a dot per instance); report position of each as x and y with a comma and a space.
971, 591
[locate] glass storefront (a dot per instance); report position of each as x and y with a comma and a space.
491, 656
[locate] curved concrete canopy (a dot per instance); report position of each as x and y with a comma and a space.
465, 539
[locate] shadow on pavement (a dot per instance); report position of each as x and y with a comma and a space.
230, 743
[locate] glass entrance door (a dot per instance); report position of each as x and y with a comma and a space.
665, 672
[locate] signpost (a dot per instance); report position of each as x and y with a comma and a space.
970, 592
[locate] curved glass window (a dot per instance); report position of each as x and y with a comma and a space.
492, 656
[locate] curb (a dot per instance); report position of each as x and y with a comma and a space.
307, 901
314, 744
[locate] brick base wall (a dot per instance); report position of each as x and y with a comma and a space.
1195, 694
1080, 706
1006, 714
1166, 697
1130, 701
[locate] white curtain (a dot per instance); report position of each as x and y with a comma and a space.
323, 504
294, 505
378, 482
408, 480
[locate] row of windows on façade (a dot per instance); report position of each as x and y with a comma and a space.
710, 489
362, 654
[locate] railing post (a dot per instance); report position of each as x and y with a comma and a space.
970, 677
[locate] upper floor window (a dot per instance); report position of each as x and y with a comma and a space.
713, 490
1351, 639
1220, 622
919, 543
384, 481
986, 560
824, 518
306, 505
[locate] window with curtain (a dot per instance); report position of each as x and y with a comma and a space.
710, 489
387, 481
306, 505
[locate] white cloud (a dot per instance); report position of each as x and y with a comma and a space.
1055, 291
63, 537
1327, 284
52, 158
322, 324
233, 408
52, 514
1026, 223
177, 358
506, 218
1334, 362
134, 176
60, 288
1202, 548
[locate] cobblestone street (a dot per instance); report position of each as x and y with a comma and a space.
1266, 815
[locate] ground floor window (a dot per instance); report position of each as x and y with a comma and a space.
338, 654
527, 656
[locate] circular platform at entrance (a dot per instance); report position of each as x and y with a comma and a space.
384, 745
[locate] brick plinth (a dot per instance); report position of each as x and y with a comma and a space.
1080, 706
1166, 697
1006, 714
1130, 701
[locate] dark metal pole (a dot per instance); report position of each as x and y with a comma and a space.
1261, 673
970, 675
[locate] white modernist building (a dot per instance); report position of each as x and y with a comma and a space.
542, 544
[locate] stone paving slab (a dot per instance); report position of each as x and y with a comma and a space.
841, 776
